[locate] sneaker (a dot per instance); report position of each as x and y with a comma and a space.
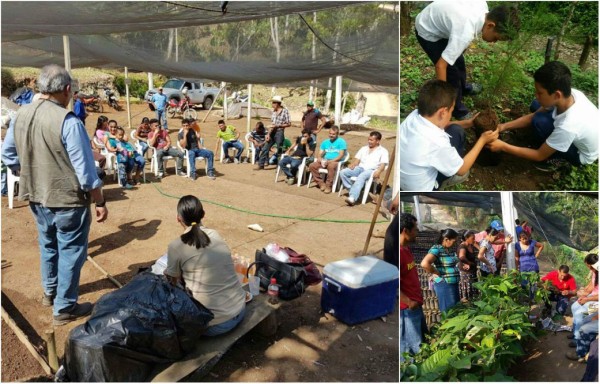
290, 181
160, 175
48, 300
226, 160
472, 89
327, 190
551, 165
259, 168
572, 344
193, 177
570, 336
572, 355
79, 310
350, 201
181, 173
235, 160
211, 176
128, 186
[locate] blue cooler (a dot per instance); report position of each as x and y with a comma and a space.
359, 289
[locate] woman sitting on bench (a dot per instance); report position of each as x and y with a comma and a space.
202, 261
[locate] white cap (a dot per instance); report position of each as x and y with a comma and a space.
277, 99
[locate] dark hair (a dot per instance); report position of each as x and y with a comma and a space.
221, 121
113, 121
524, 233
120, 129
506, 20
305, 130
564, 268
260, 125
447, 233
335, 128
554, 76
407, 221
517, 222
191, 212
101, 120
433, 95
591, 259
185, 121
152, 121
376, 135
491, 231
466, 234
145, 120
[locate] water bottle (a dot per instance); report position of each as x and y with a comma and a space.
273, 292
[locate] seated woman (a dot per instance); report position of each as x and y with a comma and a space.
586, 296
202, 261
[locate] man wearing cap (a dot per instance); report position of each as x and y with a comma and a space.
280, 120
160, 104
313, 120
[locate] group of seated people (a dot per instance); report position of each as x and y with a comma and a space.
130, 152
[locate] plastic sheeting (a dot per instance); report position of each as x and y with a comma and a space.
145, 323
266, 42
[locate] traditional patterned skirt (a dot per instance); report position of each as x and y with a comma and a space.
465, 287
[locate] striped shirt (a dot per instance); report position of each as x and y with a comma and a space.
446, 264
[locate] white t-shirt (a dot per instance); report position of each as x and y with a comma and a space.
489, 255
372, 160
577, 125
425, 150
458, 21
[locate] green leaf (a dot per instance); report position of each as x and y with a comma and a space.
469, 377
512, 332
488, 341
472, 332
464, 363
438, 362
455, 322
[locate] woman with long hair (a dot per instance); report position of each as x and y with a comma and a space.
527, 252
441, 261
467, 254
486, 251
202, 261
586, 296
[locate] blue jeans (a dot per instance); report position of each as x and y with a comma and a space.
587, 334
361, 174
63, 238
447, 295
197, 152
278, 138
293, 169
412, 330
562, 302
543, 126
161, 115
457, 141
218, 329
591, 370
578, 311
144, 147
233, 144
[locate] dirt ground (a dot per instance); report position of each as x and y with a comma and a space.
308, 346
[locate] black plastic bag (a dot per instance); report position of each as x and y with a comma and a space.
147, 322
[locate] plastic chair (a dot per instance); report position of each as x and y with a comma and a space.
324, 171
139, 149
251, 149
11, 179
299, 174
187, 159
220, 149
369, 186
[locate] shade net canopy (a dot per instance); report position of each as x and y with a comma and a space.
263, 42
557, 218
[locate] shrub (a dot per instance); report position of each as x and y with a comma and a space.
137, 88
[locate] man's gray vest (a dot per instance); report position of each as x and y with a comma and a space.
47, 176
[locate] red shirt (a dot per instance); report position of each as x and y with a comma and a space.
161, 141
568, 284
409, 277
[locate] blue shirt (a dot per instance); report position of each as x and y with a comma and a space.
77, 144
332, 150
160, 101
79, 109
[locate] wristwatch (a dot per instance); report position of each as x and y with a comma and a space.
101, 205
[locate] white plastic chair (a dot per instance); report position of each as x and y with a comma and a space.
187, 159
220, 149
324, 171
11, 179
299, 174
369, 186
251, 149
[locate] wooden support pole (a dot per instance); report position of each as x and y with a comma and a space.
51, 346
106, 274
127, 81
213, 104
379, 199
249, 120
23, 338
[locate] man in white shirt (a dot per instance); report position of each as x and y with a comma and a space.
445, 29
370, 159
564, 121
431, 150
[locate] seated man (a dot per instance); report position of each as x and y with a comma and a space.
331, 152
295, 155
562, 289
370, 159
564, 121
432, 148
258, 137
189, 140
161, 142
142, 134
230, 138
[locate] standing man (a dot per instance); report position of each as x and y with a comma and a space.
280, 120
412, 319
370, 159
189, 140
79, 107
161, 142
390, 245
231, 139
49, 147
313, 120
160, 104
331, 152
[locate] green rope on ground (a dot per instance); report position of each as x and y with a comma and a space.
271, 215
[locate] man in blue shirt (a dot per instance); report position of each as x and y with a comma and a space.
49, 147
331, 152
160, 104
79, 107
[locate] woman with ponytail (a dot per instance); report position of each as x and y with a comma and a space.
467, 254
202, 261
441, 261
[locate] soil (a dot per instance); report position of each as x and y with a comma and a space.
487, 120
309, 345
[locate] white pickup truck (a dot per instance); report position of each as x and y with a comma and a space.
197, 92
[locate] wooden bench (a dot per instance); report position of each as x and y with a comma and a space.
259, 314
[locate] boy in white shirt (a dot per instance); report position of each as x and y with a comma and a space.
564, 121
445, 29
431, 150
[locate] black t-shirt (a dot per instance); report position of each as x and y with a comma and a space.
471, 257
192, 139
301, 148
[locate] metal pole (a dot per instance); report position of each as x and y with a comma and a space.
67, 54
338, 100
508, 222
150, 81
224, 87
127, 96
418, 211
248, 128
